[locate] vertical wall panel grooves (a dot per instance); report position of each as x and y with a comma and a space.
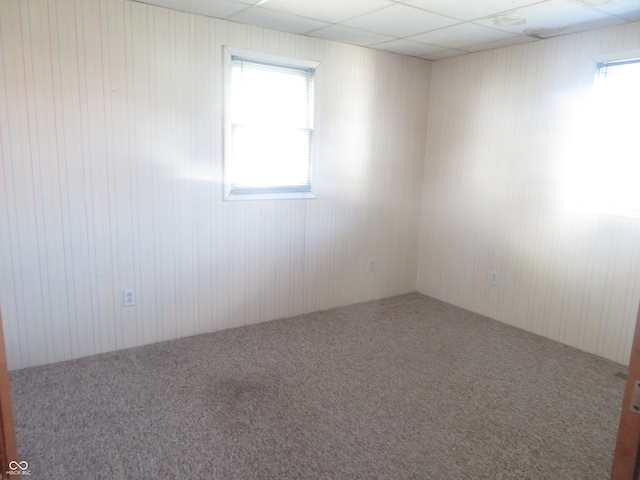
499, 136
111, 178
110, 138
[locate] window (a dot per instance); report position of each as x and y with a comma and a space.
607, 169
269, 113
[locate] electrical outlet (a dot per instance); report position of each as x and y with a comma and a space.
493, 277
128, 297
372, 265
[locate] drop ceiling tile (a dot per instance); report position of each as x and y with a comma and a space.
374, 23
505, 42
217, 9
332, 11
629, 9
550, 16
461, 35
609, 21
469, 9
400, 21
276, 20
444, 54
407, 47
353, 36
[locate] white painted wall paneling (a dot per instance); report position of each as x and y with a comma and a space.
110, 131
502, 130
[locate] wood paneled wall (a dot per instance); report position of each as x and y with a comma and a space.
502, 137
110, 148
110, 136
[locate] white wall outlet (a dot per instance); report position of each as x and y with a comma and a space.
128, 297
493, 277
372, 264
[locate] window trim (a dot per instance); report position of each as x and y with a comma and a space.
612, 57
281, 193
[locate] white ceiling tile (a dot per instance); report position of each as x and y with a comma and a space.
629, 9
469, 9
217, 8
406, 47
461, 35
353, 36
332, 11
277, 20
400, 21
552, 15
444, 54
505, 42
609, 21
380, 23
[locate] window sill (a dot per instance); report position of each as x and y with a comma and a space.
234, 197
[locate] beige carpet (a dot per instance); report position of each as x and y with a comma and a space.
403, 388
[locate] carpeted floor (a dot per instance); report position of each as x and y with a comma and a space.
402, 388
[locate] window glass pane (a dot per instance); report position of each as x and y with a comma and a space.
604, 178
264, 96
264, 157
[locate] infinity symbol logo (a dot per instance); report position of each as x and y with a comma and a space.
13, 465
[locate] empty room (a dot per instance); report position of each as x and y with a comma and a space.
319, 239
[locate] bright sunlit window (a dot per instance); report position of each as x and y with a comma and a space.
606, 179
269, 113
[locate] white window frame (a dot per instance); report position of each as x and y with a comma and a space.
278, 60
